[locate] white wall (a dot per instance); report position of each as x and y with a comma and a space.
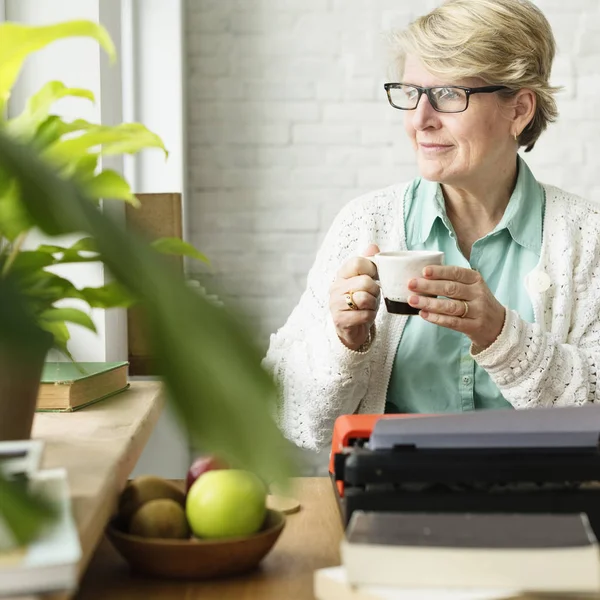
288, 120
154, 95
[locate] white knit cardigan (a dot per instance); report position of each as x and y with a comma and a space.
552, 362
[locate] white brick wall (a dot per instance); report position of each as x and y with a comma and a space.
288, 121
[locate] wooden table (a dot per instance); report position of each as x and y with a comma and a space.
99, 446
309, 541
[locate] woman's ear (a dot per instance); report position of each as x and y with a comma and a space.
524, 105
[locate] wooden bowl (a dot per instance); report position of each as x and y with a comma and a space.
196, 558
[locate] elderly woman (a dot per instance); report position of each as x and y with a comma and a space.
516, 320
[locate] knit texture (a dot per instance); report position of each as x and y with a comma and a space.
552, 362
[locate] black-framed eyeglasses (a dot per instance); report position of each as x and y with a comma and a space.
444, 98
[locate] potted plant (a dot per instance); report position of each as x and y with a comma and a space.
75, 148
49, 179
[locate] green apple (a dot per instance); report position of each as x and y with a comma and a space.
226, 503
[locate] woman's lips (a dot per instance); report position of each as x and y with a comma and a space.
434, 148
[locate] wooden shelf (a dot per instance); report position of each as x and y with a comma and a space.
99, 446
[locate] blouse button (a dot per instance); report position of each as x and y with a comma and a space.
538, 281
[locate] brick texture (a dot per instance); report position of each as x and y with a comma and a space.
288, 121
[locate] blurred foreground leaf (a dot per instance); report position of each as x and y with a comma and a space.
208, 361
24, 514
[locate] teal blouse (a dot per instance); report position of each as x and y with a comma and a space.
433, 370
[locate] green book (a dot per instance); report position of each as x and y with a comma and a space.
67, 386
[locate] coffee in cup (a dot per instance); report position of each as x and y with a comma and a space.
396, 269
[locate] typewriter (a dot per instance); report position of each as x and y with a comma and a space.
537, 460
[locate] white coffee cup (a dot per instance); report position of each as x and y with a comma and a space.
396, 269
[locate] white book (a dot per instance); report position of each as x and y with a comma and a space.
49, 563
539, 552
20, 457
333, 584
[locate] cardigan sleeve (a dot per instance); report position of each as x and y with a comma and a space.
533, 369
318, 376
555, 362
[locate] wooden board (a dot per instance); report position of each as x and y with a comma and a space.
158, 216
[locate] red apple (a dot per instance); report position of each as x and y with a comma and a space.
201, 465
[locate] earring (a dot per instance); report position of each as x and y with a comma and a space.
516, 135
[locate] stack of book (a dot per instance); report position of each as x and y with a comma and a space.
456, 556
50, 562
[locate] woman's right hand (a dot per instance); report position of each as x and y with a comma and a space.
356, 278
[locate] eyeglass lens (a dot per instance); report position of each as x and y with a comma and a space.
447, 99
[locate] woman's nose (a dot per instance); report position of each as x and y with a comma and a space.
424, 115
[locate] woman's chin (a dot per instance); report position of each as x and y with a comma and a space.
431, 170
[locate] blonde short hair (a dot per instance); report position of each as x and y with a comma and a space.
503, 42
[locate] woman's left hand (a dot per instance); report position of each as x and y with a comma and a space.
468, 306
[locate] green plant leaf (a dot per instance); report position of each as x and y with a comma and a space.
85, 244
71, 254
54, 128
207, 358
176, 246
44, 288
111, 295
109, 185
25, 125
71, 258
31, 261
83, 168
50, 249
60, 334
18, 41
69, 315
14, 218
127, 138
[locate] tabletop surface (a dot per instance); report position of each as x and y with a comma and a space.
309, 541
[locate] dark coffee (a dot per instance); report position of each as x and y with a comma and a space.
400, 308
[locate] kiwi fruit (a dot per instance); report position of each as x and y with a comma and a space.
163, 518
144, 489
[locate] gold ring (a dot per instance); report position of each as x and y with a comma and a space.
350, 301
466, 309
